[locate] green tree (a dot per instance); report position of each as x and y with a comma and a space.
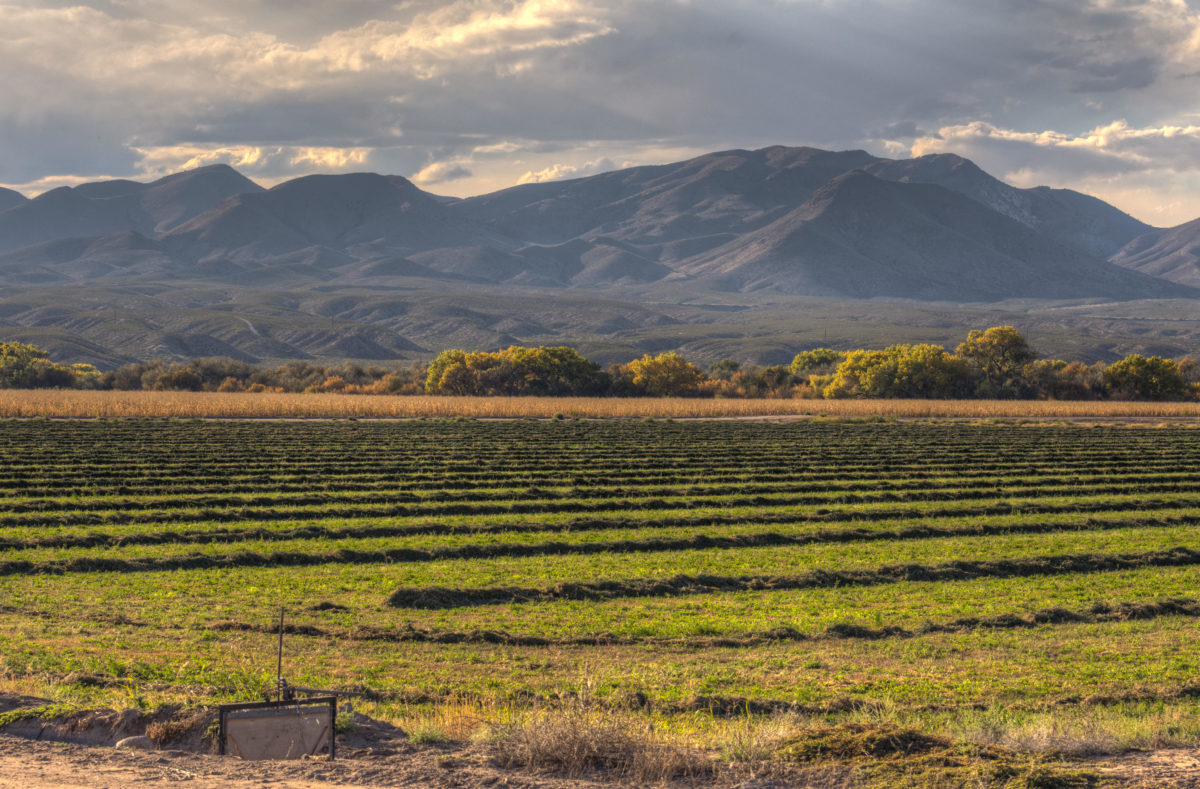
516, 370
901, 371
724, 369
19, 364
1138, 377
25, 366
818, 360
180, 379
555, 370
1000, 354
665, 375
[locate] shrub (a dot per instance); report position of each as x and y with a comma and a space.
1137, 377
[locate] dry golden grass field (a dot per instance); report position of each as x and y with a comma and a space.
221, 405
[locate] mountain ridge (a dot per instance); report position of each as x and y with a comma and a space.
1171, 253
737, 230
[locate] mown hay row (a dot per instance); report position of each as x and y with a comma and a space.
517, 550
959, 488
351, 509
438, 597
1095, 614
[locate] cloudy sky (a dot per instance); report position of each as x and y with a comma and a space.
468, 96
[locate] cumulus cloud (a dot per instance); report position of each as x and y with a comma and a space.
441, 172
557, 172
479, 94
1123, 147
253, 160
1114, 161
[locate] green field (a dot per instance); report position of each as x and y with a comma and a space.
962, 576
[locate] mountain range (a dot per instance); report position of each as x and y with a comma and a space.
207, 261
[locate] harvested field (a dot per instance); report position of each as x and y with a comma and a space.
974, 582
71, 404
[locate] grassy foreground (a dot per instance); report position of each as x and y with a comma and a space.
810, 591
56, 403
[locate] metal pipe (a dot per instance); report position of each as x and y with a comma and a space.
279, 659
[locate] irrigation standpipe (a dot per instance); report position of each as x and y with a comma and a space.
285, 691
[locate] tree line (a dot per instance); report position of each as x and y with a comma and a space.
992, 363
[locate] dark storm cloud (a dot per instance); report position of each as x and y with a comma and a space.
1102, 77
904, 130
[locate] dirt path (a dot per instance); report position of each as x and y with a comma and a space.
29, 764
1174, 768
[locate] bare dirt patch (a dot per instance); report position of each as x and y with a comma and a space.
48, 747
376, 753
1176, 767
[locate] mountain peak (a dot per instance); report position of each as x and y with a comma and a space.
10, 198
765, 218
855, 189
1173, 253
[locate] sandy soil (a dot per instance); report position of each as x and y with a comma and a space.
32, 764
29, 764
77, 751
1174, 768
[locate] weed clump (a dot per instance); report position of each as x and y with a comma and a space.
887, 756
179, 727
577, 741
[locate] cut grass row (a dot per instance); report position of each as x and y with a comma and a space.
548, 523
433, 540
147, 551
1039, 668
481, 491
145, 484
1170, 526
604, 575
192, 600
1014, 498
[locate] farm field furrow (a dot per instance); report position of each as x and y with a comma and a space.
808, 565
907, 605
1060, 498
1164, 481
432, 540
762, 554
152, 483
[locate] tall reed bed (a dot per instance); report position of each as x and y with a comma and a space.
222, 405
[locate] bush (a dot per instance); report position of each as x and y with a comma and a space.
1000, 354
925, 371
516, 370
24, 366
1137, 377
665, 375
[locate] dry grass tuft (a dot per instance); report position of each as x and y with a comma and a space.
578, 741
452, 721
756, 738
181, 726
241, 405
